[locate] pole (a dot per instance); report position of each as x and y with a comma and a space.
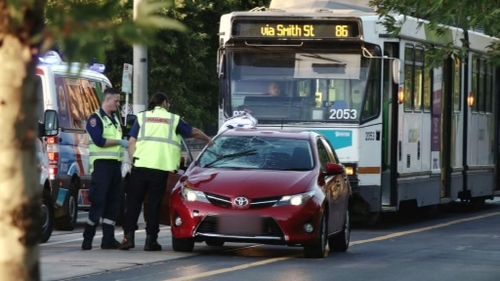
140, 73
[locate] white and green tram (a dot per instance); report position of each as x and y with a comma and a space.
410, 134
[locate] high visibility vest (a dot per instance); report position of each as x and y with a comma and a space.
109, 131
158, 145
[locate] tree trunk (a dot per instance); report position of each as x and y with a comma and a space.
19, 191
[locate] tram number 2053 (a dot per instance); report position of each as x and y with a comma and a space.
343, 114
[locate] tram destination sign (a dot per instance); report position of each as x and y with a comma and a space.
288, 29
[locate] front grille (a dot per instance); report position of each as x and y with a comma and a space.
225, 202
218, 200
264, 202
268, 227
208, 225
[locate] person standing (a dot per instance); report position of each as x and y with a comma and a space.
106, 150
155, 144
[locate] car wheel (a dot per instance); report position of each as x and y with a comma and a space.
47, 217
182, 245
339, 242
214, 243
318, 248
70, 207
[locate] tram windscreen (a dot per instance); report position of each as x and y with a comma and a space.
303, 86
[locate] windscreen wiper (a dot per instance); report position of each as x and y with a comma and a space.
232, 155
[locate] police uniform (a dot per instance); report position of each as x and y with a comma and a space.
105, 167
158, 151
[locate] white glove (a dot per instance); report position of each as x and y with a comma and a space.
124, 143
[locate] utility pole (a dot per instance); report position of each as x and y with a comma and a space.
140, 74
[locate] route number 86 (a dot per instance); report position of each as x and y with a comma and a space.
343, 114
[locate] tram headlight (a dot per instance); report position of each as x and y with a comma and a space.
470, 99
401, 95
350, 169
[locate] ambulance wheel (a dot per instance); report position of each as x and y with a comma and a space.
70, 210
47, 217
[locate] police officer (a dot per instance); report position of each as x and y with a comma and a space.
106, 149
155, 143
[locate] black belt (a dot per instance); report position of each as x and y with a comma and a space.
109, 161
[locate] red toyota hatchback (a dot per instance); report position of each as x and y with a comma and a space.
270, 187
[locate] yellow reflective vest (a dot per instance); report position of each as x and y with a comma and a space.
158, 145
109, 131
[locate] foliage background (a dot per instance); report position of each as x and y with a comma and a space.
183, 65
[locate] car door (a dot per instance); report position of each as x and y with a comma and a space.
334, 186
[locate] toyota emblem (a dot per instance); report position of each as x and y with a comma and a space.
240, 201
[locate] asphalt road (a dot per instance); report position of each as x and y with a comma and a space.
459, 244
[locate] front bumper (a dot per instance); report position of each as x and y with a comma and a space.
268, 225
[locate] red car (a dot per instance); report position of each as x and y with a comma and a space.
270, 187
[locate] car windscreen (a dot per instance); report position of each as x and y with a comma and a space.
257, 152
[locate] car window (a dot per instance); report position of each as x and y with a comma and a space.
324, 154
330, 151
252, 152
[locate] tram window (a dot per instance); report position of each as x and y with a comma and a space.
427, 88
456, 84
482, 92
475, 88
408, 86
417, 89
419, 79
489, 88
371, 106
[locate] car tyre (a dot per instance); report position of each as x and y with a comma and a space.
214, 243
339, 242
70, 207
47, 217
318, 248
182, 245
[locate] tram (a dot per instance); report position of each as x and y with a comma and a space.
409, 133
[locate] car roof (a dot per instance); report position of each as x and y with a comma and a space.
289, 134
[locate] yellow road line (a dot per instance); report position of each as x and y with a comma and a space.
404, 233
226, 270
380, 238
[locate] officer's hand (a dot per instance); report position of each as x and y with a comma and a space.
124, 143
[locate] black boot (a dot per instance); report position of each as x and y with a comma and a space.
128, 241
108, 237
151, 243
88, 236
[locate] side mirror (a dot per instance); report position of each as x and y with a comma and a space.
333, 169
395, 69
50, 123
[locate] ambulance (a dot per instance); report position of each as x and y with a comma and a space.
67, 94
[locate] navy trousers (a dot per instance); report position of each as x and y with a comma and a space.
145, 182
105, 192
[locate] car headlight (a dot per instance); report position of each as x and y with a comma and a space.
193, 195
295, 200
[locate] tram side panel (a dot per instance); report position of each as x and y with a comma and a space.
369, 166
481, 157
481, 130
416, 184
